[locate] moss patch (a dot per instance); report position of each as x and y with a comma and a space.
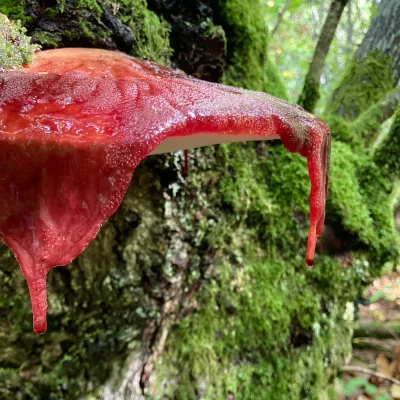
248, 61
124, 24
15, 47
364, 82
151, 36
260, 314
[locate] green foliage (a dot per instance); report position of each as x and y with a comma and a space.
15, 47
378, 295
14, 9
248, 60
354, 384
364, 82
293, 44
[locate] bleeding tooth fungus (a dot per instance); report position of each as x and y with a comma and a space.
75, 124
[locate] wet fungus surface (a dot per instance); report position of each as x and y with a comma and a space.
75, 124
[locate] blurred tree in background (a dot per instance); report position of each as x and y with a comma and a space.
196, 288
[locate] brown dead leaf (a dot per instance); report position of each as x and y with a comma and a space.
362, 397
395, 365
395, 391
383, 365
379, 315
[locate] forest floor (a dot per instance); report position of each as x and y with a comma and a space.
377, 357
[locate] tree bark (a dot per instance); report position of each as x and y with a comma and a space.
375, 68
310, 93
384, 35
377, 330
279, 20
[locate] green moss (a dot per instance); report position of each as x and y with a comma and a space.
91, 5
261, 314
359, 196
345, 197
248, 63
236, 227
151, 35
83, 25
15, 47
45, 39
340, 128
364, 82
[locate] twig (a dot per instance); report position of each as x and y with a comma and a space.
280, 19
355, 368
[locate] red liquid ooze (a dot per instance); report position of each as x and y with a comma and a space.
75, 124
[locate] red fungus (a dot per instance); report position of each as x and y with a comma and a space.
76, 123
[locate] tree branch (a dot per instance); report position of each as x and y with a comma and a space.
310, 93
377, 330
279, 20
356, 368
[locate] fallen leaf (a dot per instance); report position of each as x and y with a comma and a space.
395, 365
383, 365
379, 315
395, 391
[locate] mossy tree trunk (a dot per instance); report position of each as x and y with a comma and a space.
375, 69
195, 288
365, 97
